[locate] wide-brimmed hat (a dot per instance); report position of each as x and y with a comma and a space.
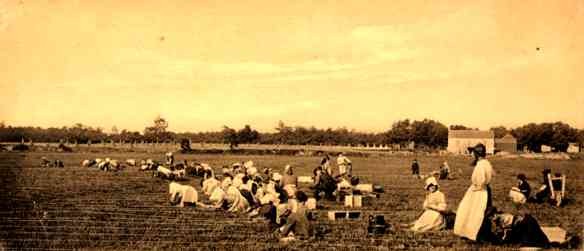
521, 176
480, 149
431, 181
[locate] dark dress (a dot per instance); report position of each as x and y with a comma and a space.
524, 230
485, 234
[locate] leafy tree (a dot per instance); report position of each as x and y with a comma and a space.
230, 136
247, 135
556, 135
499, 131
430, 133
460, 127
401, 132
157, 132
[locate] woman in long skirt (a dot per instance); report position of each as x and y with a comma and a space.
470, 216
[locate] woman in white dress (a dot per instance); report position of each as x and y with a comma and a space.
470, 216
434, 206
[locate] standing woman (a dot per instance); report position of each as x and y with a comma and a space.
325, 164
471, 221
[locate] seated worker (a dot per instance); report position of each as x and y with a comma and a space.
444, 171
520, 193
544, 192
209, 183
434, 207
297, 223
324, 183
230, 200
518, 229
289, 181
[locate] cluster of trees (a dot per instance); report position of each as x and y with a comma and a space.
557, 135
425, 133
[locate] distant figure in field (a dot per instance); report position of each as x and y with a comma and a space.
325, 164
289, 181
520, 193
444, 171
415, 168
169, 159
324, 183
434, 207
471, 221
345, 165
45, 162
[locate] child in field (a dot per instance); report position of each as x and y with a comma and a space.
415, 168
434, 207
444, 171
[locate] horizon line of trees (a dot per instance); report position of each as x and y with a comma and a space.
425, 133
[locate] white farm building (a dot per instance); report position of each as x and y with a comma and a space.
460, 140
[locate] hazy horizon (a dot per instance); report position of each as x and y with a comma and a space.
363, 66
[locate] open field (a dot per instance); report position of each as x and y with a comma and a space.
77, 207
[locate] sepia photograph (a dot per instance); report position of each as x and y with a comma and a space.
291, 125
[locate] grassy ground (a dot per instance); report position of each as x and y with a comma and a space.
77, 207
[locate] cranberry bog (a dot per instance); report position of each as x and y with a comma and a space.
85, 208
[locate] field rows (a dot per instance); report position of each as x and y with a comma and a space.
77, 207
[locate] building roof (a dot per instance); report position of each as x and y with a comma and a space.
471, 134
507, 139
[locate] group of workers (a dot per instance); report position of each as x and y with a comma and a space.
48, 163
265, 194
476, 218
276, 198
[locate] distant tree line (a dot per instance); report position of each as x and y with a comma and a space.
425, 133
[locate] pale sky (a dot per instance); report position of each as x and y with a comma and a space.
358, 64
